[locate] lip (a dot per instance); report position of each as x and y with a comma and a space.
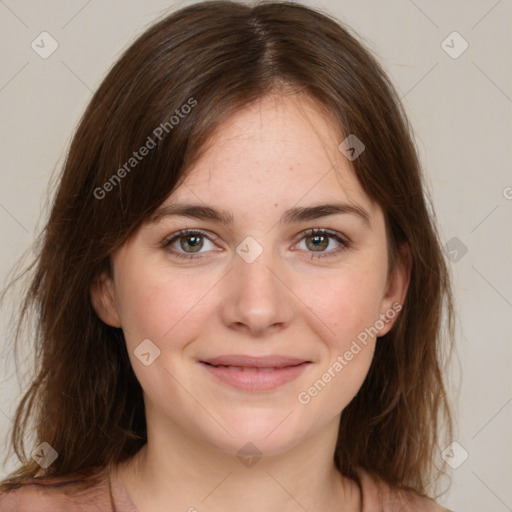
251, 373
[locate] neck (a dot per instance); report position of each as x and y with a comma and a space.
179, 473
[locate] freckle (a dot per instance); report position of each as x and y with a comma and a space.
275, 204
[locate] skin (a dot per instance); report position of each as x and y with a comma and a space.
278, 153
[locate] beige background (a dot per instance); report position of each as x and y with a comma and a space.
460, 109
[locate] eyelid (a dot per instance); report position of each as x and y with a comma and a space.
189, 231
324, 231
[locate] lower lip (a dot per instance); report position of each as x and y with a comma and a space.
256, 380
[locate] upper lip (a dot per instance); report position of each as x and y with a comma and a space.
272, 361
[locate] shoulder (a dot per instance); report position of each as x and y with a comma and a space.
377, 496
86, 494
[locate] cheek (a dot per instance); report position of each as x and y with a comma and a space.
346, 302
343, 310
155, 303
169, 310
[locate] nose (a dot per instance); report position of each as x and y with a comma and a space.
256, 297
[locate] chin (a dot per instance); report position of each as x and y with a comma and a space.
262, 433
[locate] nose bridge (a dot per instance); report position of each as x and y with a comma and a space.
255, 295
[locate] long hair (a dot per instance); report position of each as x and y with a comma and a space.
168, 92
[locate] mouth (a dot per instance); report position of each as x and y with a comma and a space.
255, 373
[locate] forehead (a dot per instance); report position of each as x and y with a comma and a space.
281, 150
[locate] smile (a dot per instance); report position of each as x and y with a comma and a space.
255, 378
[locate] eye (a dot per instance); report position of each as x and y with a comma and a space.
319, 240
187, 243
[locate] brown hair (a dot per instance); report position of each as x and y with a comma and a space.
217, 57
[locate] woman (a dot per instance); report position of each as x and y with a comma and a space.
240, 288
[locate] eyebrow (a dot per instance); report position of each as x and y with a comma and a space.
293, 215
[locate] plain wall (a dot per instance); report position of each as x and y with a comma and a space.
460, 109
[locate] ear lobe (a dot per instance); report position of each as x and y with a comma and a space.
103, 302
396, 289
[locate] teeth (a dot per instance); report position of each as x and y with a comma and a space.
246, 369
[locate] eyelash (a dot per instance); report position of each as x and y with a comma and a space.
345, 243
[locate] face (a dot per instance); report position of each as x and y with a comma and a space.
263, 310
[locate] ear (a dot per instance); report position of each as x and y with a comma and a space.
396, 288
103, 299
